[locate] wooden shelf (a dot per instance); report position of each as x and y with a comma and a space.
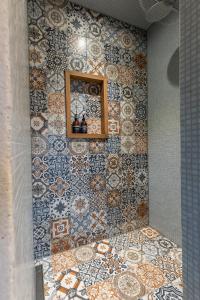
86, 136
71, 75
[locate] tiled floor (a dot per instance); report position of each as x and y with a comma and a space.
140, 265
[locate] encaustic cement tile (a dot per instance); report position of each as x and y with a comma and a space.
131, 256
150, 232
61, 244
63, 261
140, 265
124, 286
84, 254
60, 228
151, 276
103, 248
102, 290
69, 286
170, 267
101, 269
164, 293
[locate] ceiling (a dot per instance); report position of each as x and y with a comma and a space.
125, 10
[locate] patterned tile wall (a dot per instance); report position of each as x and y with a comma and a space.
85, 190
190, 146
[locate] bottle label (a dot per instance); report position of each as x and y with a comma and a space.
75, 129
84, 129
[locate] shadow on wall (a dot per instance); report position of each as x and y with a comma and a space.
173, 69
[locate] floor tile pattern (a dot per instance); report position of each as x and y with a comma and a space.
89, 187
103, 270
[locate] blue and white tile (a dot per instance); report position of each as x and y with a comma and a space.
41, 239
41, 209
80, 184
114, 91
101, 269
39, 189
97, 163
39, 145
57, 145
58, 166
164, 293
113, 145
59, 207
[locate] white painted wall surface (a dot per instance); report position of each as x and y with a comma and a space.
16, 247
164, 129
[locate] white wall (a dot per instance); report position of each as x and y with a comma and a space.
16, 247
164, 129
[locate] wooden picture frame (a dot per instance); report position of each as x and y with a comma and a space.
72, 75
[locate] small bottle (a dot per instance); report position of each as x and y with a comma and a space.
83, 125
76, 124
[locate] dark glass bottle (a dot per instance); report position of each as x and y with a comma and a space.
76, 124
83, 125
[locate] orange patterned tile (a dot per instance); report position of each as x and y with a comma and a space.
60, 228
150, 232
151, 276
70, 284
103, 291
56, 103
63, 261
